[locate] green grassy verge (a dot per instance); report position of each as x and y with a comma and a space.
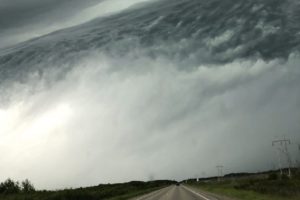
100, 192
254, 188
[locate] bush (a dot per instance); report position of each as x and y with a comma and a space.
273, 176
284, 177
27, 186
9, 187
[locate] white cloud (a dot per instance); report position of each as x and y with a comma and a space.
103, 123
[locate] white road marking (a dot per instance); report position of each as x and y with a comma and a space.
196, 193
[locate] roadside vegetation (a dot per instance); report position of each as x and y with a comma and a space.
264, 186
12, 190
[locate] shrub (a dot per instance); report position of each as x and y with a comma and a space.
273, 176
9, 187
27, 186
284, 177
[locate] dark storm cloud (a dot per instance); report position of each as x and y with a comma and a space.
15, 13
23, 20
30, 17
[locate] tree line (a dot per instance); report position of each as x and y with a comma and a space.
14, 187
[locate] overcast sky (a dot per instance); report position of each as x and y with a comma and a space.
21, 20
115, 117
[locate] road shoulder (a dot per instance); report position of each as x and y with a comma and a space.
208, 195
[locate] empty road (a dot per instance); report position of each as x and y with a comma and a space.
176, 193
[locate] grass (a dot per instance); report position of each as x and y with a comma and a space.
255, 188
100, 192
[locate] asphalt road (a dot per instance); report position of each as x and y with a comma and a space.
176, 193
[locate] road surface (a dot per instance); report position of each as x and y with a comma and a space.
177, 193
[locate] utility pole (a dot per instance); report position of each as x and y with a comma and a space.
279, 160
282, 147
220, 171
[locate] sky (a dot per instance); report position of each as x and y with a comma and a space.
23, 20
126, 111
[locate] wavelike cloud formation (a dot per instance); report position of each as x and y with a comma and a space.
158, 91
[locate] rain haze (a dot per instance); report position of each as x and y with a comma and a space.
102, 91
